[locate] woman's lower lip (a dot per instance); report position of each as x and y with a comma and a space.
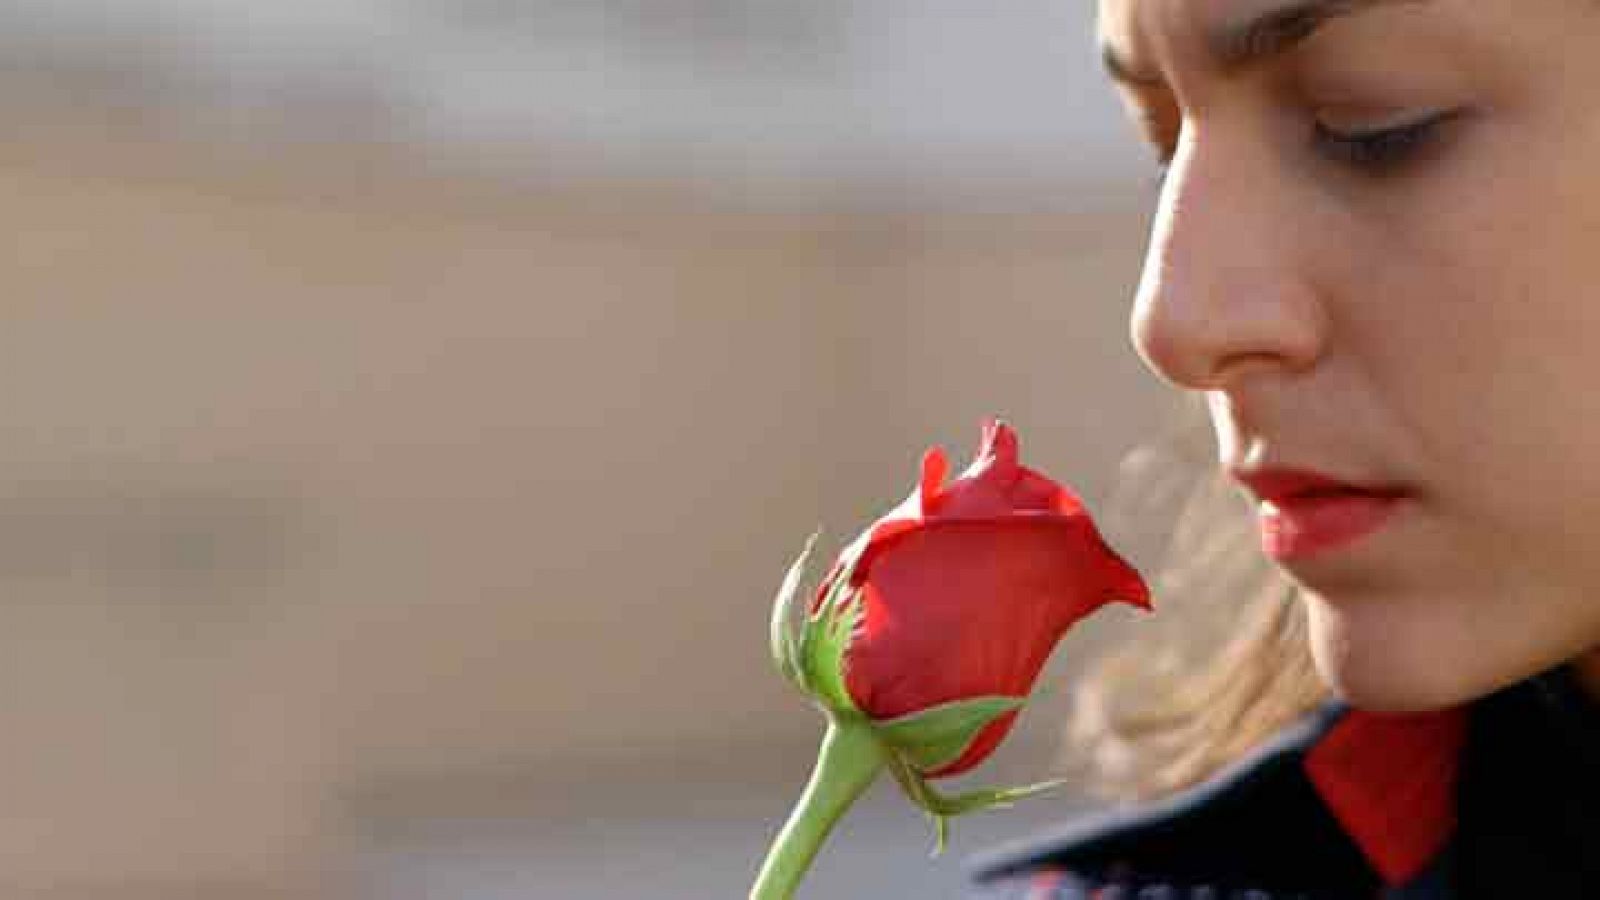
1299, 527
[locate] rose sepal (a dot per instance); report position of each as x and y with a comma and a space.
785, 649
942, 808
925, 741
816, 655
933, 737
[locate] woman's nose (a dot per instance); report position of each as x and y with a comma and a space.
1227, 286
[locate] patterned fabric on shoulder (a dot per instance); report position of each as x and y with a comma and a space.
1060, 884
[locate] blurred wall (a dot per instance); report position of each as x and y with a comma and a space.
334, 492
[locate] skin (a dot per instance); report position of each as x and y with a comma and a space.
1429, 320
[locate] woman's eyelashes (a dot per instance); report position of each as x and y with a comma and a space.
1368, 151
1380, 151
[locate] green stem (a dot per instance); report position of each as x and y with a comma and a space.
850, 758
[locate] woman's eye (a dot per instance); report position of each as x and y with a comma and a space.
1375, 151
1379, 150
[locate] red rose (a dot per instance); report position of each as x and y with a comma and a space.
967, 587
927, 635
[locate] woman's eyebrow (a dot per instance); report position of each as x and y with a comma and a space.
1254, 40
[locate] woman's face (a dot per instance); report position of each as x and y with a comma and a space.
1377, 252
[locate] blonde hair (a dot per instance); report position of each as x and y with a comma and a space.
1224, 664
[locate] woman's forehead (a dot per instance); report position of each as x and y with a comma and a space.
1111, 10
1123, 18
1122, 23
1130, 25
1199, 10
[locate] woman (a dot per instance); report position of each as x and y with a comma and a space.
1372, 262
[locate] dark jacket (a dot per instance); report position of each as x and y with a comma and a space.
1497, 800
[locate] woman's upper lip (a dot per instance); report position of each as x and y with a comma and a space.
1277, 483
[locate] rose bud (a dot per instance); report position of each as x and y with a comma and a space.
925, 638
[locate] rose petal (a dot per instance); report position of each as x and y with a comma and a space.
963, 609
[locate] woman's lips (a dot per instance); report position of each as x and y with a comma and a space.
1307, 524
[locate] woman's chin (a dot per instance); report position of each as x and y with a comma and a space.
1368, 656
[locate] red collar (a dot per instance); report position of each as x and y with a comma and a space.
1390, 780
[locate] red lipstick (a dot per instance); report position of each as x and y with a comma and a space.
1304, 513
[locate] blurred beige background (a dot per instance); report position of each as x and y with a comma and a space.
393, 514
